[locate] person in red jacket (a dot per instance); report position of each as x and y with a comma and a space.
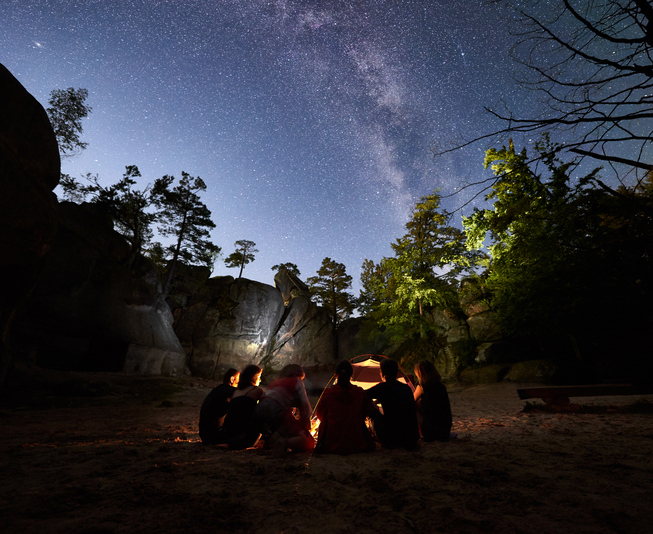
276, 409
342, 410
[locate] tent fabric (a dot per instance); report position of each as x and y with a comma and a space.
367, 373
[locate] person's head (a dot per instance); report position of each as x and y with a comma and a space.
389, 369
344, 370
251, 376
427, 373
231, 377
292, 370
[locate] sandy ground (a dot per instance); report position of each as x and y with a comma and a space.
136, 465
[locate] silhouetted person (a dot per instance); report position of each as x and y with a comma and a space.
215, 407
342, 411
397, 425
432, 400
242, 425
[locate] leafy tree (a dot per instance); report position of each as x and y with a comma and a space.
67, 109
243, 255
428, 261
375, 281
127, 206
184, 217
289, 267
429, 257
330, 288
563, 251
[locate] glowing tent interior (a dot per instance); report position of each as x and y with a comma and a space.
367, 372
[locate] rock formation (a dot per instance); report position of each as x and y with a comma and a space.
305, 336
90, 311
290, 286
29, 171
229, 323
232, 323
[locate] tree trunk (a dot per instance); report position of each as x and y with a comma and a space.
173, 263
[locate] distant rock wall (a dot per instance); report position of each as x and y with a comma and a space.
233, 323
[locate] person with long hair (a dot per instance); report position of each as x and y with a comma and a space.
277, 408
242, 426
433, 407
215, 407
342, 411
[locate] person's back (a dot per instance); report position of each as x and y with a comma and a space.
397, 427
436, 409
342, 410
432, 401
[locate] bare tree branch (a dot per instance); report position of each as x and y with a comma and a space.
591, 62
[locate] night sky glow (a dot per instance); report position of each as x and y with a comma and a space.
310, 121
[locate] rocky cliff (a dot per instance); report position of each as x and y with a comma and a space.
232, 323
91, 311
29, 171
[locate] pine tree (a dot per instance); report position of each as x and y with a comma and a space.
184, 217
330, 290
243, 255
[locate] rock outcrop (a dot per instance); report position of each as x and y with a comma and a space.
305, 336
29, 171
290, 286
232, 323
91, 311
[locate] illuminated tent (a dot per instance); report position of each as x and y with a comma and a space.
367, 373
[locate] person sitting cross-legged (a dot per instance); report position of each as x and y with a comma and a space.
283, 397
432, 400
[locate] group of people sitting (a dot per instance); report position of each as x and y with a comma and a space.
240, 413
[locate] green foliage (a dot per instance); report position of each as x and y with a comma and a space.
374, 287
127, 206
423, 274
289, 267
563, 251
330, 290
66, 111
243, 255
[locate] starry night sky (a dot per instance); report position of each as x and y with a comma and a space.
310, 121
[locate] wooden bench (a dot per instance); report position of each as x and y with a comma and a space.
559, 395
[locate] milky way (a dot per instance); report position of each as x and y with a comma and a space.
310, 122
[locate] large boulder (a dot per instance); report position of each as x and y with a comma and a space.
91, 311
229, 323
290, 286
484, 327
305, 336
473, 296
29, 171
489, 374
532, 371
